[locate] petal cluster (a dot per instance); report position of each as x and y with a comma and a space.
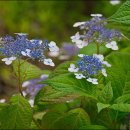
20, 46
94, 30
89, 66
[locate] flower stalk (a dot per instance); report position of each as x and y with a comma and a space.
19, 79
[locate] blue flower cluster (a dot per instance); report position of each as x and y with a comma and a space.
21, 46
13, 48
89, 65
95, 31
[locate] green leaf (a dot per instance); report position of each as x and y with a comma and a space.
106, 94
73, 119
122, 15
47, 94
27, 70
101, 106
17, 115
119, 74
71, 86
121, 107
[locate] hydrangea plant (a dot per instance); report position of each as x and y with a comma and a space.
91, 92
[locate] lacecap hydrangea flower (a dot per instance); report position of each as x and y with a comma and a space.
95, 31
12, 48
32, 87
89, 66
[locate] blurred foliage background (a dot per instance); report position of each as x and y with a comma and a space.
52, 20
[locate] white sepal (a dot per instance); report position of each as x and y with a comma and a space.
73, 68
49, 62
79, 76
77, 24
112, 45
104, 72
92, 80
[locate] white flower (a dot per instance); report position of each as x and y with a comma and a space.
44, 76
79, 76
2, 100
99, 56
92, 80
98, 15
26, 53
24, 93
75, 37
79, 43
106, 63
21, 34
112, 45
53, 54
25, 84
48, 62
81, 55
31, 102
53, 47
9, 60
77, 24
73, 68
115, 2
104, 72
64, 57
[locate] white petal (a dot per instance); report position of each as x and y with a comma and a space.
44, 76
23, 53
106, 63
75, 37
92, 80
24, 93
2, 100
64, 57
99, 56
72, 68
31, 102
48, 62
5, 59
8, 62
112, 45
25, 84
78, 24
79, 43
115, 2
20, 34
115, 47
108, 45
98, 15
52, 43
81, 55
89, 79
12, 58
79, 76
54, 49
104, 72
53, 53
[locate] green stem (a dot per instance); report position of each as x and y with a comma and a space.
36, 123
114, 122
19, 79
97, 47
